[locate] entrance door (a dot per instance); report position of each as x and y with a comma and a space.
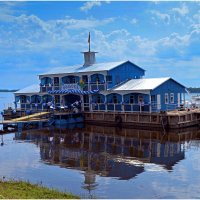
158, 102
70, 99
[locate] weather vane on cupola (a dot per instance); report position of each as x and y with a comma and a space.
89, 56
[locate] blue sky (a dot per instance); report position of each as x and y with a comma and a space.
161, 37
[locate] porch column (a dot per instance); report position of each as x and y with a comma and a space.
90, 103
106, 108
61, 100
89, 79
184, 99
150, 103
82, 103
60, 83
122, 104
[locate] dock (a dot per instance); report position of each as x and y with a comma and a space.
36, 120
165, 120
142, 120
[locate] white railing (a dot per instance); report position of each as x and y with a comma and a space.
86, 87
121, 107
31, 106
126, 107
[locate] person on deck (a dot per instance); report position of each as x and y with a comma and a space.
48, 106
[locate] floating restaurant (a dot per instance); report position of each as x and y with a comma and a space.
112, 86
112, 93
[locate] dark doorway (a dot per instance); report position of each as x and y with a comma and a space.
71, 98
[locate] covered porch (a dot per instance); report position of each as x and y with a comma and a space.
130, 102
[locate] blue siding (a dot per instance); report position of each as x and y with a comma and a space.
123, 72
168, 87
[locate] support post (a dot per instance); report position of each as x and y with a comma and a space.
150, 103
106, 106
184, 99
90, 103
122, 104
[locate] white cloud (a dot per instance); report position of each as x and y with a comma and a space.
197, 16
183, 10
162, 16
90, 4
175, 40
134, 21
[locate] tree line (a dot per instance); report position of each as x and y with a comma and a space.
193, 90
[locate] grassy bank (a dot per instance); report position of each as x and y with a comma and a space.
24, 190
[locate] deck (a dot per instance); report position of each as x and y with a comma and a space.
142, 120
167, 120
37, 119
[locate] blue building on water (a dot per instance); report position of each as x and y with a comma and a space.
112, 86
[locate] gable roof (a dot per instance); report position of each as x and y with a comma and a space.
141, 84
32, 89
92, 68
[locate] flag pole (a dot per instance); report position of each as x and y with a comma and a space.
89, 41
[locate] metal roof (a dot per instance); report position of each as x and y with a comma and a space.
141, 84
80, 68
32, 89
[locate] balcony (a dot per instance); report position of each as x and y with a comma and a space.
74, 86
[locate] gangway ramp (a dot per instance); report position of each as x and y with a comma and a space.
29, 117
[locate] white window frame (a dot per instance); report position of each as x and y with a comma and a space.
166, 98
171, 97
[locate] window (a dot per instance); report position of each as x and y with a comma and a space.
99, 99
97, 79
73, 79
153, 98
166, 98
23, 99
172, 98
85, 78
109, 78
115, 100
131, 99
56, 81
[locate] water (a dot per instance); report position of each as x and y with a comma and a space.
105, 162
6, 100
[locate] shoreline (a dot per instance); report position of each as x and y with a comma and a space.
13, 189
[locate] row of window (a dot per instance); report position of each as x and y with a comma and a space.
73, 79
116, 100
169, 100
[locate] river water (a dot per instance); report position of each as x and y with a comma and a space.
105, 162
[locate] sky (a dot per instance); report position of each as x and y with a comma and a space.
161, 37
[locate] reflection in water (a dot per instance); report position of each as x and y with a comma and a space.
107, 152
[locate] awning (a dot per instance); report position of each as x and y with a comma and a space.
73, 92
